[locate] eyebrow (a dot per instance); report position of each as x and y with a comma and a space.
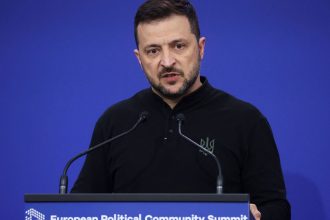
170, 43
178, 40
152, 45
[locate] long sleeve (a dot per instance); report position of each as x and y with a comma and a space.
93, 177
262, 175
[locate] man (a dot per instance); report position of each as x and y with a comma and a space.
154, 158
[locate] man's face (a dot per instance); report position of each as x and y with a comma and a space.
170, 55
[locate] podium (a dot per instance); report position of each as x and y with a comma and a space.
136, 207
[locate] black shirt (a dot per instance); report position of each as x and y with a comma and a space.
154, 158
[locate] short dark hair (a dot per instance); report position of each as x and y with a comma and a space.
153, 10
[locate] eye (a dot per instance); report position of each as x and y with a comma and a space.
152, 51
180, 46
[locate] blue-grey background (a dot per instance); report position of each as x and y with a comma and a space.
62, 63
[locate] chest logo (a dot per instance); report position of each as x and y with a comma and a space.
208, 144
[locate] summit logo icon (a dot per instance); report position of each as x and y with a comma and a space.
33, 214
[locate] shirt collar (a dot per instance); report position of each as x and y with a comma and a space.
190, 101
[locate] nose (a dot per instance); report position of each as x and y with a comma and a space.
167, 59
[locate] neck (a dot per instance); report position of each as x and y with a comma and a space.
173, 102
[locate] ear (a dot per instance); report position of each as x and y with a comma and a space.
137, 54
201, 46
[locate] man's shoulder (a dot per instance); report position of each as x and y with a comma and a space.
233, 115
235, 104
127, 108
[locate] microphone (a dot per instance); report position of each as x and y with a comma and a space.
180, 118
64, 178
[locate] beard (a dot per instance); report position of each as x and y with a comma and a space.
188, 81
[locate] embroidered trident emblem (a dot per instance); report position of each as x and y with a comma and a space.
208, 144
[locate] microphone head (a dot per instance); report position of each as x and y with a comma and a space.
180, 117
144, 115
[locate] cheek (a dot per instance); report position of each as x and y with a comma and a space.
150, 67
189, 60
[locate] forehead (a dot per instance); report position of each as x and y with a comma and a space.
164, 31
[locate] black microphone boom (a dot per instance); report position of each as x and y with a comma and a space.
64, 178
180, 118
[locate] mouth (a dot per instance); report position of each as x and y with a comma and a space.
171, 74
170, 78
